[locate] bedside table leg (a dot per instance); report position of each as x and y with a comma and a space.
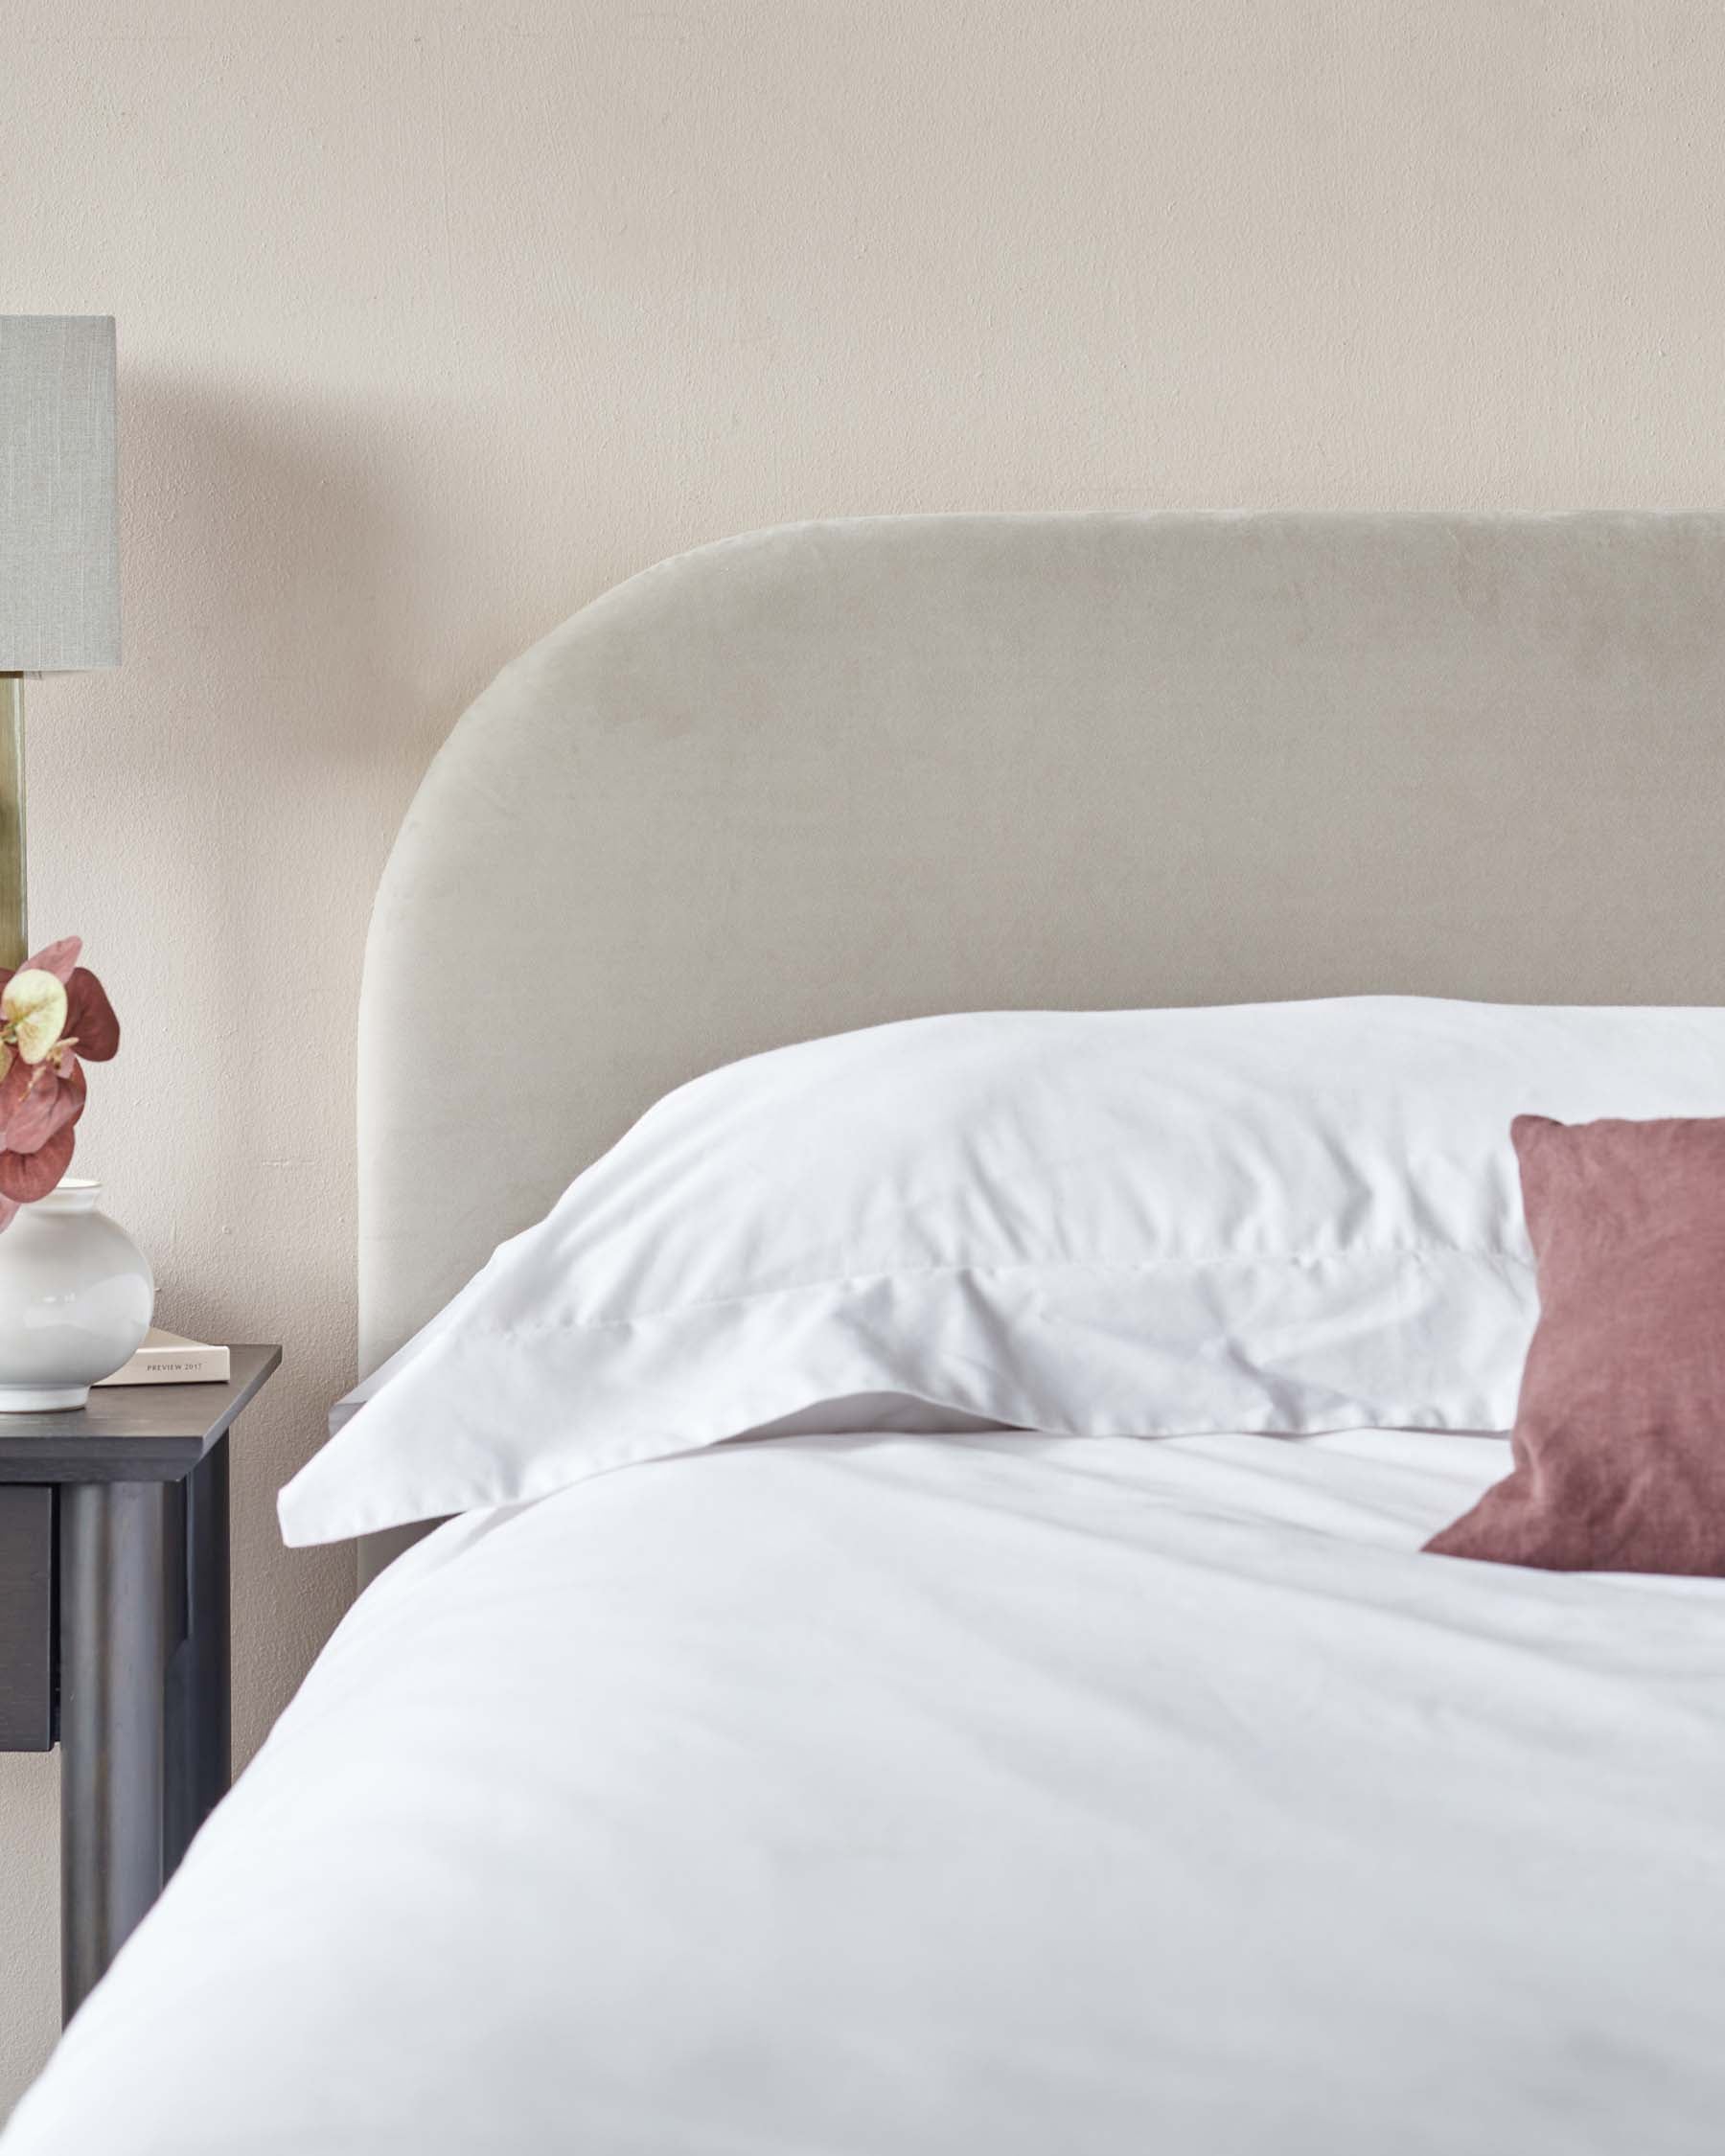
118, 1611
198, 1683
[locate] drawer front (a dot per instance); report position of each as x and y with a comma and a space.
26, 1617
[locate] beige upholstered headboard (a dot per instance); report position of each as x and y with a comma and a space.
817, 777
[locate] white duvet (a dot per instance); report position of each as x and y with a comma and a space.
874, 1797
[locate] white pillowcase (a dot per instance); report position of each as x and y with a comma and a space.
1275, 1217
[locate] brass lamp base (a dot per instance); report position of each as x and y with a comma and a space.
14, 926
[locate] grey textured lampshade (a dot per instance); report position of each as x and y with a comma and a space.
60, 539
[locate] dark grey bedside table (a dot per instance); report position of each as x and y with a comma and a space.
114, 1635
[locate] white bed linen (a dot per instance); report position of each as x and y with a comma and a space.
855, 1797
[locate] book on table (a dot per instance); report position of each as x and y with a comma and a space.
171, 1359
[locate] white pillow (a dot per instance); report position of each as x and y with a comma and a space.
1277, 1217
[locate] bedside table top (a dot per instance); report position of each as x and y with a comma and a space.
132, 1432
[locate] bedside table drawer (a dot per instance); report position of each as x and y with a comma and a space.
26, 1617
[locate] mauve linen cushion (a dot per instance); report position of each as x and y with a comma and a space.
1619, 1434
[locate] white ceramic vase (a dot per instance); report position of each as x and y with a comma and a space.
75, 1296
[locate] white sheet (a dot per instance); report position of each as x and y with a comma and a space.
850, 1796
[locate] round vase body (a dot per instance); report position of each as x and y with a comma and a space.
76, 1296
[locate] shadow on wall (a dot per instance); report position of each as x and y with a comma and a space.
286, 681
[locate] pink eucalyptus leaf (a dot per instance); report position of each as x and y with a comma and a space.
55, 958
90, 1019
34, 1121
26, 1176
52, 1102
13, 1088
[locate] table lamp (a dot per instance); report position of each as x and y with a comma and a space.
59, 542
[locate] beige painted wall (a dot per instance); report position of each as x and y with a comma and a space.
436, 319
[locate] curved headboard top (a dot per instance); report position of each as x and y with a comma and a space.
822, 776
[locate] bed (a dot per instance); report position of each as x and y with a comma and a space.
860, 1786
